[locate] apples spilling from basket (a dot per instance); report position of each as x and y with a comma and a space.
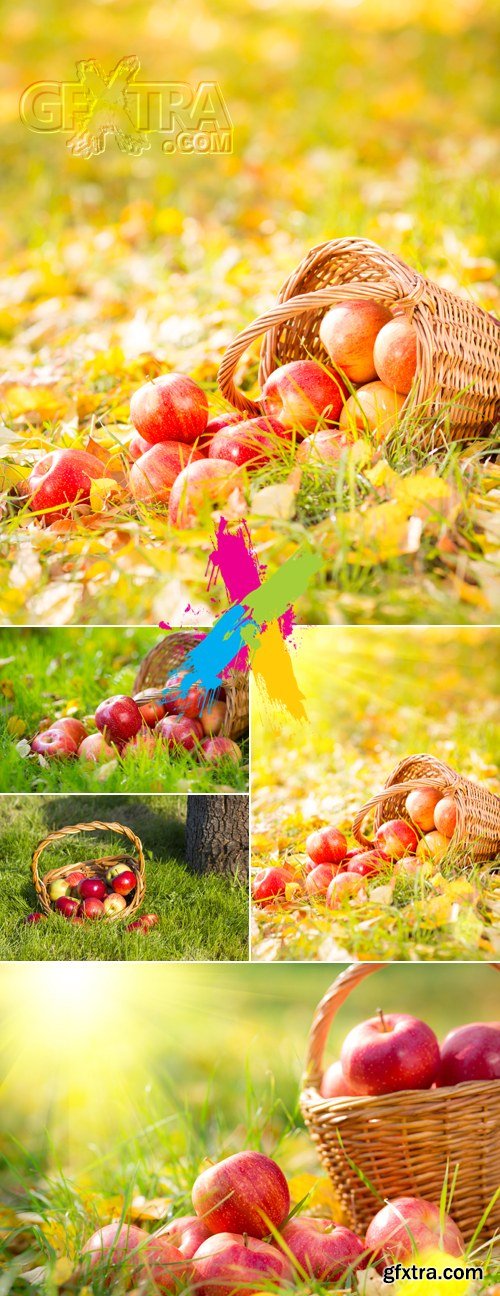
244, 1236
179, 722
182, 458
78, 896
336, 873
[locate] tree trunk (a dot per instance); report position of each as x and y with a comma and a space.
217, 835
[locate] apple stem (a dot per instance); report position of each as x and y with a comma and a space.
382, 1020
245, 1239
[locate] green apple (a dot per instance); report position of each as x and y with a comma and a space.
58, 888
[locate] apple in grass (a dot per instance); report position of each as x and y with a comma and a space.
215, 425
252, 444
201, 487
366, 864
302, 395
61, 479
334, 1083
95, 748
137, 446
323, 447
232, 1262
470, 1052
152, 476
374, 408
35, 917
390, 1052
118, 718
151, 712
186, 1232
420, 805
395, 354
445, 816
169, 408
55, 744
179, 731
117, 1248
242, 1194
71, 726
342, 888
323, 1249
270, 884
162, 1267
218, 749
176, 702
318, 880
407, 1225
396, 837
348, 332
433, 846
326, 846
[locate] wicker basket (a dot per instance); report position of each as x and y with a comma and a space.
92, 868
403, 1143
168, 655
457, 384
478, 810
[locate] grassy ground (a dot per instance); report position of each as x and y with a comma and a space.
118, 268
45, 674
112, 1112
372, 700
199, 917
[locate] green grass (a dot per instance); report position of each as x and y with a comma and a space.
47, 673
200, 917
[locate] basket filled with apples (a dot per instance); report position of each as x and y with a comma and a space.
159, 675
108, 888
399, 1113
357, 340
429, 809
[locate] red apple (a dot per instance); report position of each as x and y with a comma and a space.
149, 921
74, 728
323, 447
113, 904
345, 885
124, 883
470, 1052
395, 354
375, 408
137, 925
34, 917
73, 879
179, 731
137, 446
217, 749
153, 475
326, 846
434, 846
334, 1083
54, 743
212, 718
318, 880
117, 1247
242, 1194
233, 1262
348, 333
216, 425
253, 443
118, 718
270, 884
324, 1250
445, 816
115, 871
200, 488
396, 838
162, 1267
92, 887
186, 1232
302, 395
151, 712
390, 1052
95, 748
143, 741
169, 408
366, 863
188, 704
420, 806
60, 479
91, 908
409, 1224
67, 907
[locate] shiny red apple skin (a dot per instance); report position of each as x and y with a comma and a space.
324, 447
236, 1194
232, 1262
303, 395
189, 704
318, 880
55, 744
137, 925
152, 476
92, 888
169, 408
366, 863
118, 718
124, 883
334, 1083
91, 908
216, 425
66, 906
409, 1224
137, 446
117, 1247
325, 1250
251, 444
149, 921
270, 884
60, 479
470, 1052
162, 1267
212, 718
445, 816
73, 879
187, 1232
151, 712
326, 846
73, 727
396, 838
202, 487
219, 748
348, 332
179, 731
385, 1056
95, 748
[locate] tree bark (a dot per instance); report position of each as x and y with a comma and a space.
217, 835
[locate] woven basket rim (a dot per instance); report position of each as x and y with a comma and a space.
235, 683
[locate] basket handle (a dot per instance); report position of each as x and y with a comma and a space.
394, 789
303, 304
327, 1010
84, 827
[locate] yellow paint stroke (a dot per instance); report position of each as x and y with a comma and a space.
272, 670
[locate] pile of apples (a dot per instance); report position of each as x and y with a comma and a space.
241, 1237
78, 897
177, 723
336, 873
182, 458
